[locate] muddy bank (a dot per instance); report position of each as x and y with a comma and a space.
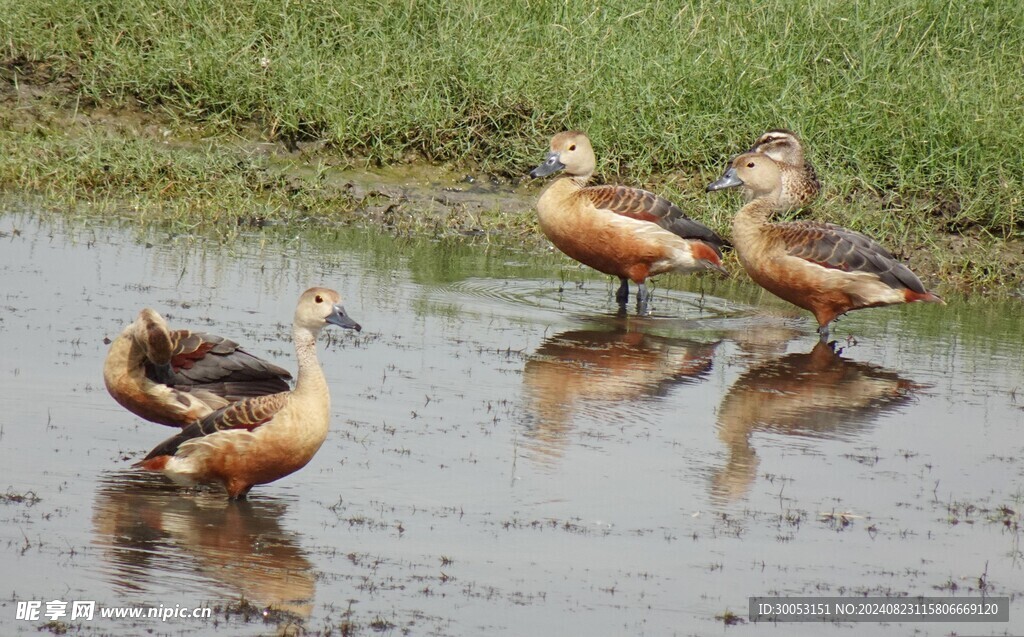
412, 196
203, 176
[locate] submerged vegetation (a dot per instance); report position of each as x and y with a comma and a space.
909, 108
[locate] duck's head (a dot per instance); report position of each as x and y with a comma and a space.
781, 145
319, 306
756, 173
149, 331
570, 151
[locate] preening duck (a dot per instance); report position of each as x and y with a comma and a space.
264, 438
821, 267
625, 232
175, 377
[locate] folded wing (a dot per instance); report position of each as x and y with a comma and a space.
647, 206
211, 363
247, 414
834, 247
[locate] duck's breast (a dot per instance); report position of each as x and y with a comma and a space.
612, 243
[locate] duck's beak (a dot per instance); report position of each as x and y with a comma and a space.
551, 165
341, 318
163, 373
729, 179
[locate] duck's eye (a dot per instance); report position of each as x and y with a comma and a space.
573, 147
750, 164
319, 299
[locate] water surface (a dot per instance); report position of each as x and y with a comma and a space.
507, 455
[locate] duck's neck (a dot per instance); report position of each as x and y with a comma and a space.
310, 378
134, 354
125, 355
568, 184
553, 200
751, 220
580, 180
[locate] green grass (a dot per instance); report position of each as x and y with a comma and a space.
910, 108
183, 187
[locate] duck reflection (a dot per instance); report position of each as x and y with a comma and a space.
763, 341
819, 394
588, 369
150, 533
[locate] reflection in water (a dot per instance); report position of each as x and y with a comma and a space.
150, 532
582, 370
816, 394
763, 340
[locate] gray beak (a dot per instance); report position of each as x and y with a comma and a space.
163, 373
550, 165
341, 318
728, 180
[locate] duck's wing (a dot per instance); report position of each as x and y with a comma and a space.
647, 206
245, 415
834, 247
859, 239
201, 361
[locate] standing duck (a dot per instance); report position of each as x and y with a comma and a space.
800, 185
264, 438
625, 232
821, 267
175, 377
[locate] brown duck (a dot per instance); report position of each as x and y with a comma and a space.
625, 232
261, 439
175, 377
821, 267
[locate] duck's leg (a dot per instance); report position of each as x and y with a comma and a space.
823, 333
237, 489
641, 299
622, 294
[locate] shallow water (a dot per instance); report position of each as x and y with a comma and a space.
507, 455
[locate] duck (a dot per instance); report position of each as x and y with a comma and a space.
820, 267
621, 231
261, 439
800, 185
175, 377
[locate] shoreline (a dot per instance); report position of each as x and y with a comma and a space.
158, 168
